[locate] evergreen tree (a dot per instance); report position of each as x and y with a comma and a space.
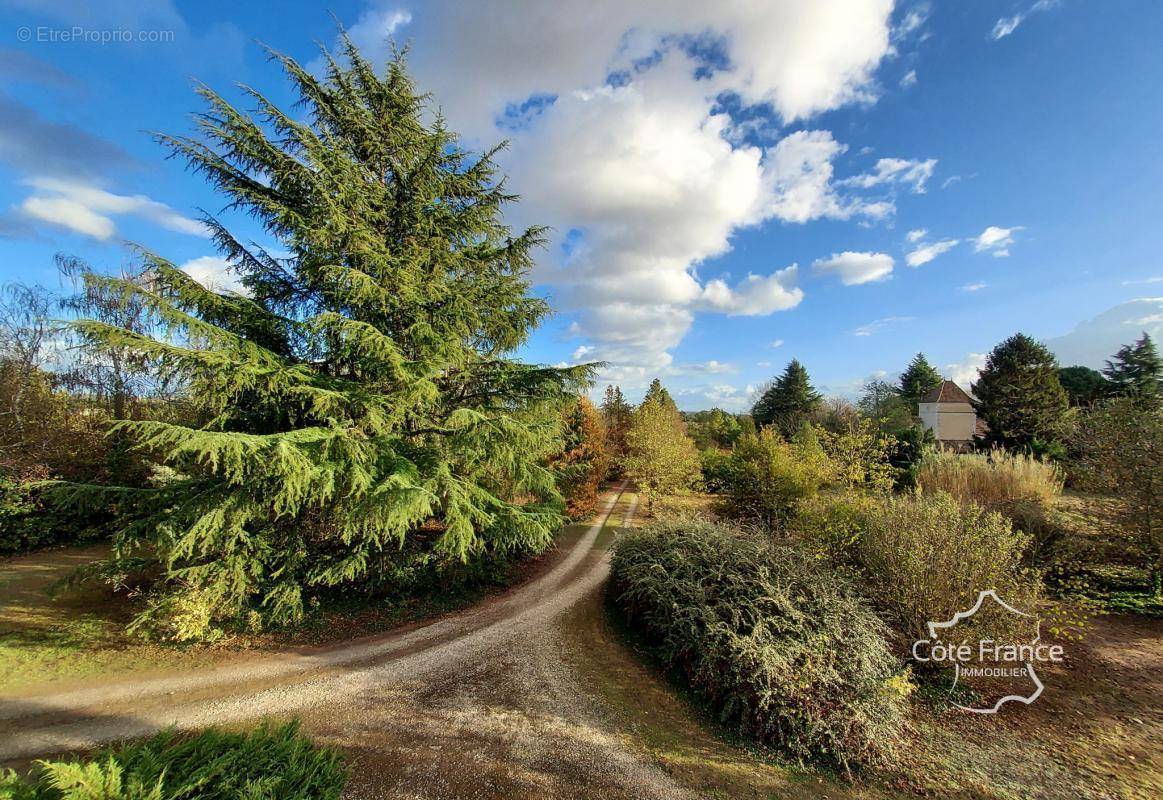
1083, 385
660, 458
788, 401
881, 403
1019, 395
658, 392
361, 400
1136, 371
918, 379
616, 413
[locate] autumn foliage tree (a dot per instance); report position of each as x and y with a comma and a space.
361, 400
617, 415
583, 461
660, 457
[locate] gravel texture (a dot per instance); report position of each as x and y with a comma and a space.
479, 704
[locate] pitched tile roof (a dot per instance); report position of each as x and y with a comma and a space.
947, 392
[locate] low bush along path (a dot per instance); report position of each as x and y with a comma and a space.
481, 703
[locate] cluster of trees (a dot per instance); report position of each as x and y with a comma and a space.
357, 414
1105, 427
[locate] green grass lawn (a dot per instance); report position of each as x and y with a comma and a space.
46, 637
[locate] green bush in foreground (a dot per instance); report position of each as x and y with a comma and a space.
268, 763
778, 646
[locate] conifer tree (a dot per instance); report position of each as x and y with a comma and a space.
361, 398
616, 413
1019, 395
788, 402
1083, 385
660, 458
1136, 371
581, 465
657, 391
918, 379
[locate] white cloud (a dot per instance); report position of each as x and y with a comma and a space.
645, 176
1157, 279
214, 273
1007, 25
67, 213
909, 79
856, 268
878, 325
973, 287
916, 235
777, 344
721, 395
800, 58
1092, 342
913, 19
995, 240
753, 296
711, 367
927, 252
964, 373
912, 173
88, 210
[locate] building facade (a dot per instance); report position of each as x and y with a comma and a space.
948, 412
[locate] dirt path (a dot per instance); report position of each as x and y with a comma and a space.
478, 704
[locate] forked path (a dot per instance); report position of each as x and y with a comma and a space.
480, 704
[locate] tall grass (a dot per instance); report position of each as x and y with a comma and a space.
993, 480
1022, 487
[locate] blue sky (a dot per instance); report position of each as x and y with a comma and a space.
717, 180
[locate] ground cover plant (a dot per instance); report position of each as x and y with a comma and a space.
266, 763
781, 649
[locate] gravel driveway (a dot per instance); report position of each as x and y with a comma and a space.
480, 704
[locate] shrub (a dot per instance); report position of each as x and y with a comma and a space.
830, 526
1120, 447
782, 649
910, 448
268, 763
715, 466
1020, 486
767, 477
859, 457
924, 558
